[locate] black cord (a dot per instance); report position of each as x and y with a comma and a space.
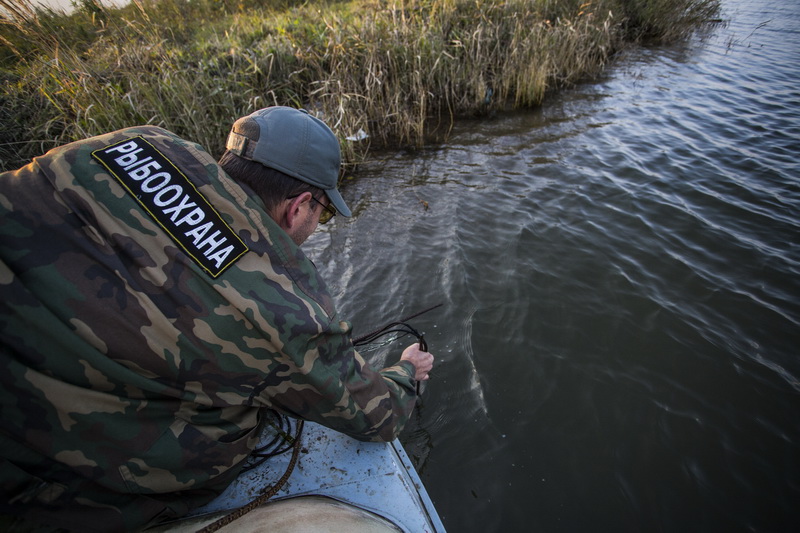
358, 340
280, 443
390, 328
387, 329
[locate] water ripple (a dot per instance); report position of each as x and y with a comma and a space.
620, 271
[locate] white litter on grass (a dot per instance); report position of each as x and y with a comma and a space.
360, 136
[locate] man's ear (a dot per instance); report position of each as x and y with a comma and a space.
292, 214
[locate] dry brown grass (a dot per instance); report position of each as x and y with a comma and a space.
398, 71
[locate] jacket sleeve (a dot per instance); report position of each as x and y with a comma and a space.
327, 381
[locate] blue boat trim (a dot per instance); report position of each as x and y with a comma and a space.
377, 477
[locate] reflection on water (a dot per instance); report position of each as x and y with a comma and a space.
618, 346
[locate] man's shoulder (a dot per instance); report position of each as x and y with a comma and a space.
78, 153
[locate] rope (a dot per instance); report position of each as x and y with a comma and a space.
241, 511
372, 334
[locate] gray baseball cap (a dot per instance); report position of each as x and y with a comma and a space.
293, 142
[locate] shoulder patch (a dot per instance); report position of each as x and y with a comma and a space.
173, 202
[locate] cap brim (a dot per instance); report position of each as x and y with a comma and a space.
338, 202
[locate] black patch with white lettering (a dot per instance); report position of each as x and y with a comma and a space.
173, 202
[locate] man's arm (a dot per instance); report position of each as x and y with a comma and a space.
328, 381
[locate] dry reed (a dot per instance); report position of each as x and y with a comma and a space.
398, 71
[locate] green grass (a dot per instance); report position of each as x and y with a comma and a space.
399, 70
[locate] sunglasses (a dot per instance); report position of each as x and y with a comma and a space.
328, 211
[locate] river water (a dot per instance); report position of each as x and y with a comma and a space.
620, 273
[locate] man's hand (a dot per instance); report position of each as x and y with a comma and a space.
422, 361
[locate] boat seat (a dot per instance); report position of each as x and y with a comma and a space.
306, 514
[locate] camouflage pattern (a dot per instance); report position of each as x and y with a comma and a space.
133, 381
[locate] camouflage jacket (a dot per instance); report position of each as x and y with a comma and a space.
149, 310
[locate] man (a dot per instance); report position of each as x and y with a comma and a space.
152, 308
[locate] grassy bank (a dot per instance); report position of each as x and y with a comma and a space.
396, 70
